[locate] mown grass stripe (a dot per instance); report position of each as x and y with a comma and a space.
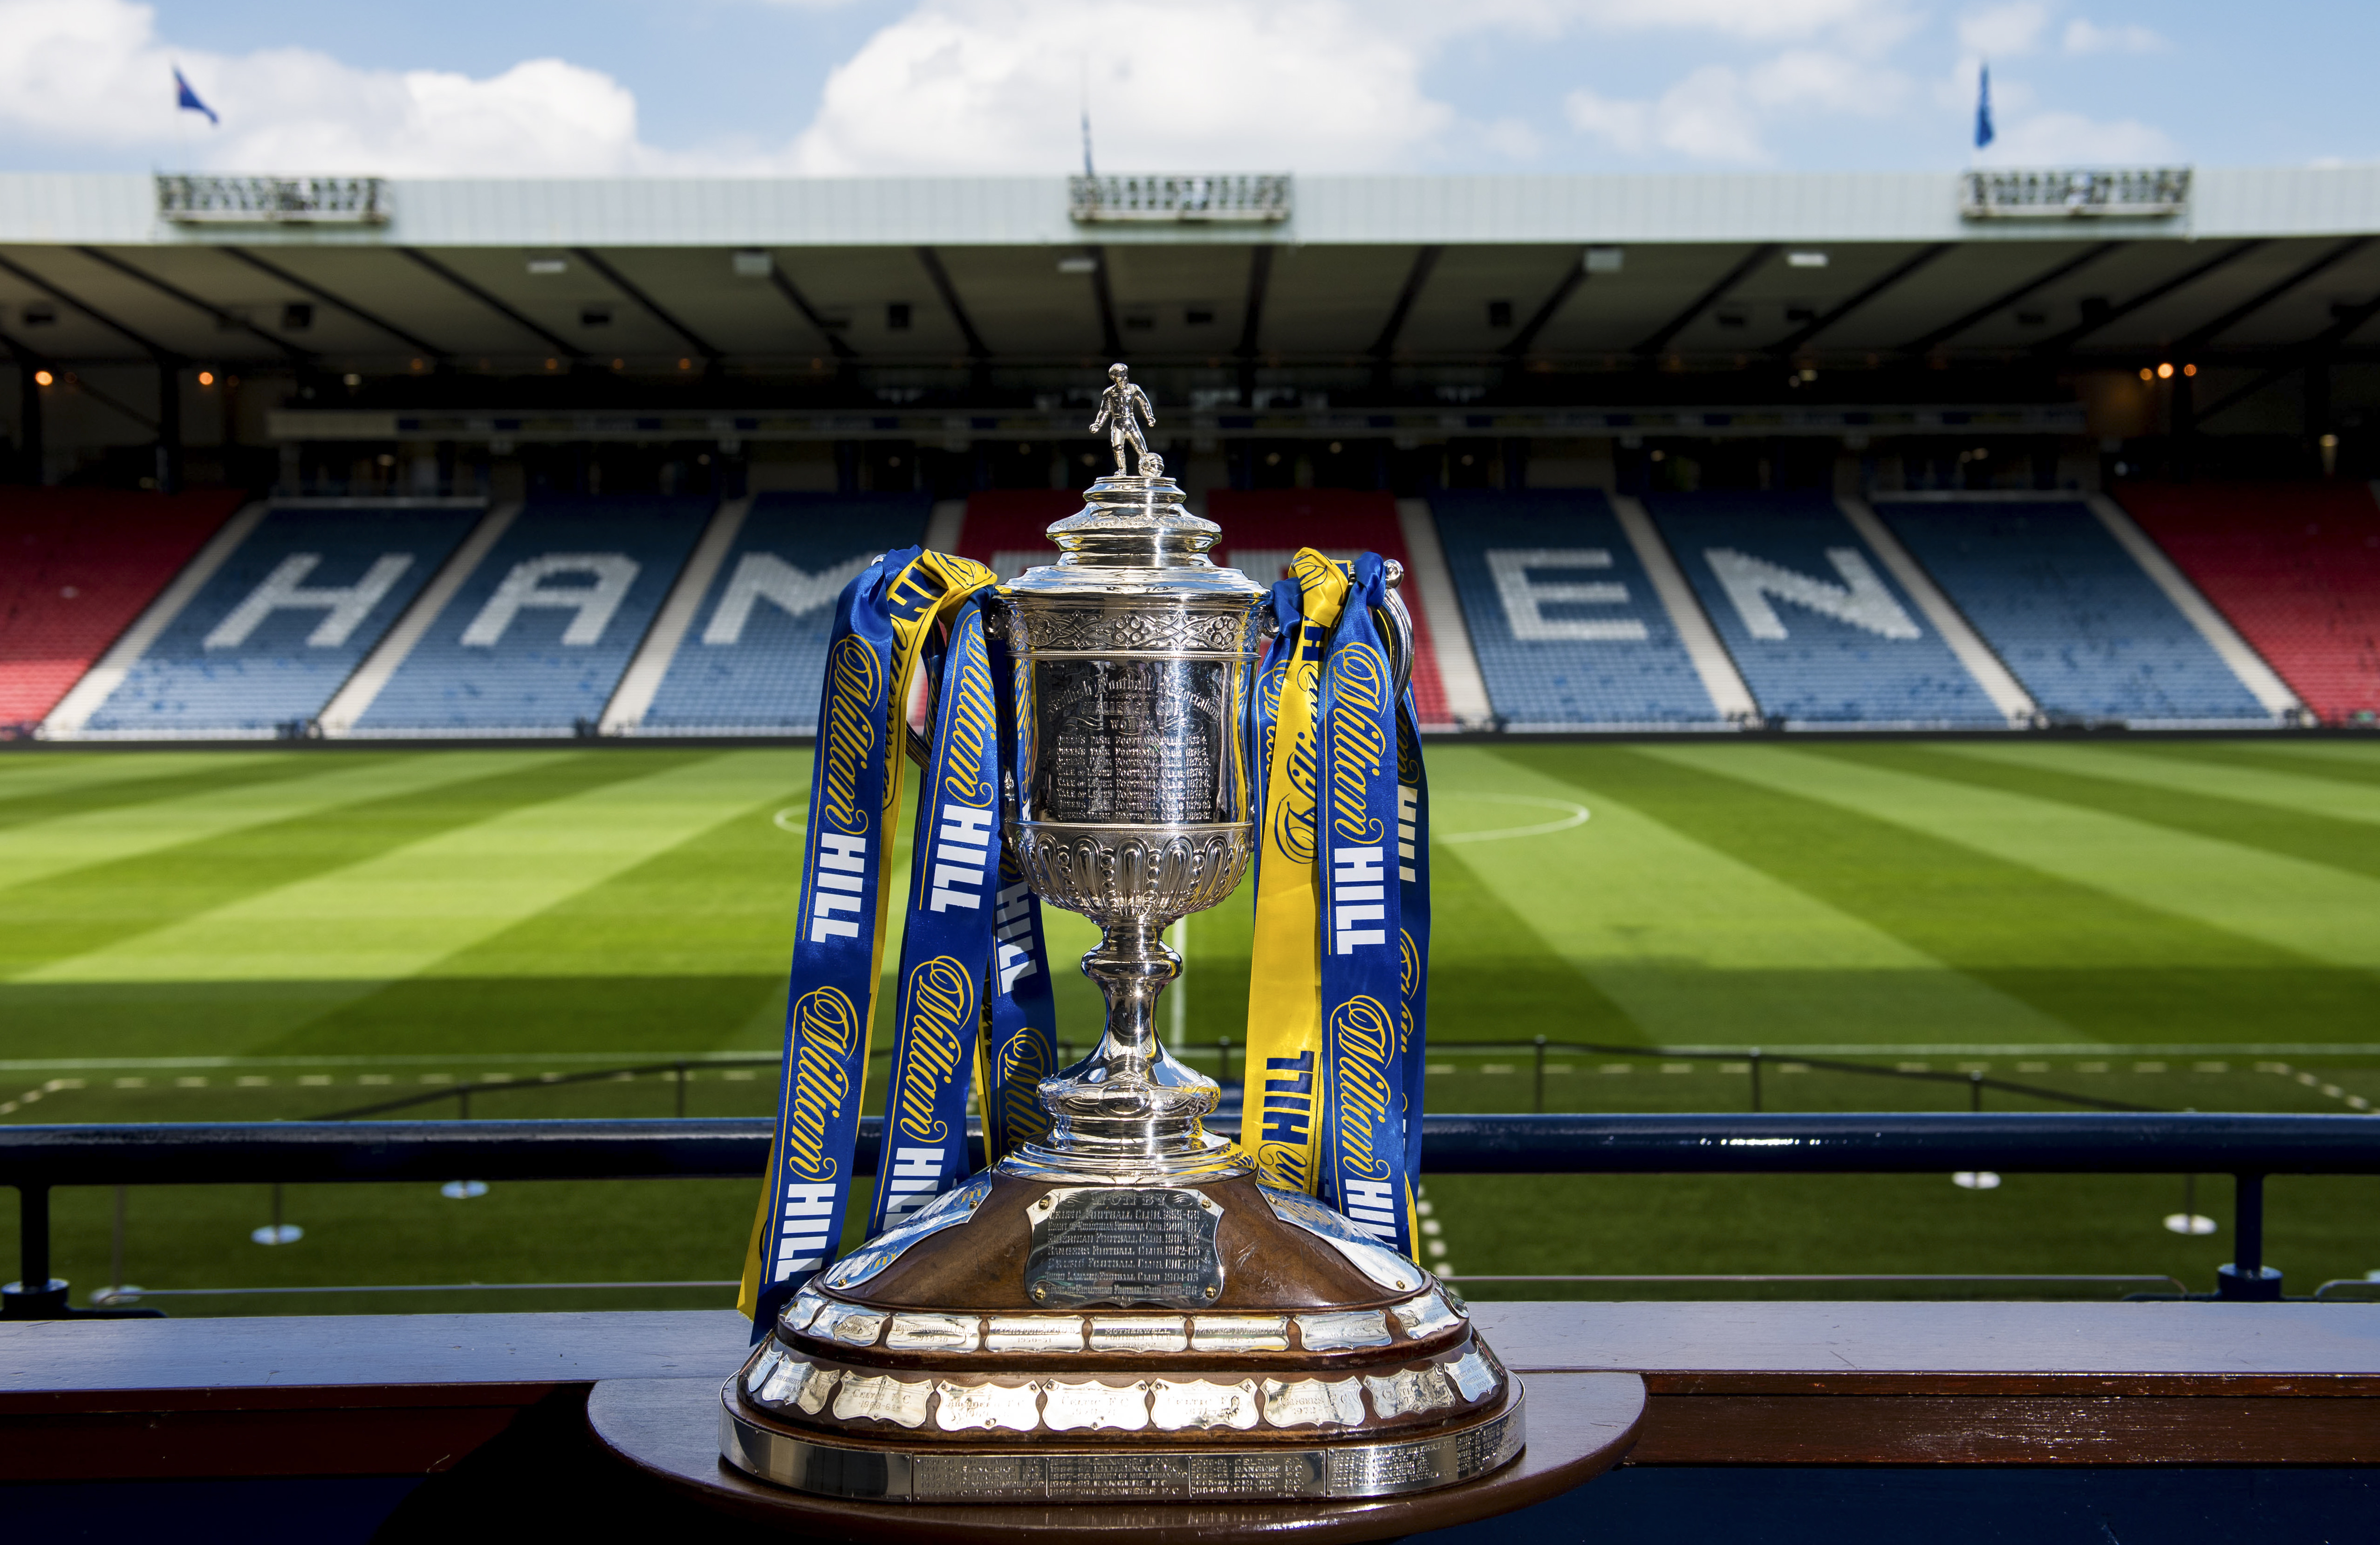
36, 853
2301, 910
403, 911
1658, 901
58, 800
2230, 806
1907, 855
39, 771
2343, 762
92, 907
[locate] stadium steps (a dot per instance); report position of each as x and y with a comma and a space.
1712, 663
2295, 568
1991, 673
338, 717
752, 629
642, 681
1571, 629
138, 575
1822, 630
2094, 637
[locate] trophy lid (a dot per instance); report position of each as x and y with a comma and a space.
1136, 532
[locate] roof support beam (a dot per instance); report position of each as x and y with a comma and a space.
618, 281
800, 302
2198, 337
1252, 319
1786, 346
1520, 342
1925, 343
2315, 351
932, 262
2064, 341
149, 345
224, 319
1417, 275
1659, 338
561, 346
337, 302
1111, 339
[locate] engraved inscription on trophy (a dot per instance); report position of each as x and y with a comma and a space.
1131, 740
1124, 1245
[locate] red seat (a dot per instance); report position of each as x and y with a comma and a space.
77, 566
2296, 566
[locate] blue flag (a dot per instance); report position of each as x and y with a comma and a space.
1983, 134
187, 100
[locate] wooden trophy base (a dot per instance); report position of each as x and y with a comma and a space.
1580, 1425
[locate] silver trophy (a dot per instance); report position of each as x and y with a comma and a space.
1120, 1312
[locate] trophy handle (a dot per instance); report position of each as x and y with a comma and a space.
1396, 627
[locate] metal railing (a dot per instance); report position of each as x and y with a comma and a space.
191, 198
35, 1159
2144, 192
1235, 197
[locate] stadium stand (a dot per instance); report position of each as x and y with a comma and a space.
79, 565
1820, 631
2064, 606
753, 659
269, 637
1568, 628
1263, 529
1005, 527
536, 638
2296, 567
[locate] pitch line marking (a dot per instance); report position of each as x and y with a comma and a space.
796, 826
1574, 815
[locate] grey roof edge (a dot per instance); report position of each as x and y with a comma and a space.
120, 209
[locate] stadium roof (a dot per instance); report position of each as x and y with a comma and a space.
1577, 272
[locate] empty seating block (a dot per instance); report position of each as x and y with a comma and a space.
2089, 635
755, 657
1568, 629
2296, 567
270, 637
1817, 627
537, 636
1005, 527
1263, 530
77, 566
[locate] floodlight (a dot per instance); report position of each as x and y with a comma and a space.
44, 378
2164, 370
548, 265
1080, 263
1806, 260
751, 265
1604, 260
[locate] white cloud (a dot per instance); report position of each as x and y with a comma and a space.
991, 85
95, 72
2071, 140
1704, 117
1812, 78
2084, 37
2004, 31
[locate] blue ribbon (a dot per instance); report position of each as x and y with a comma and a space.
1366, 1165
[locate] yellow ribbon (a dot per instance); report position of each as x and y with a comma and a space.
1284, 975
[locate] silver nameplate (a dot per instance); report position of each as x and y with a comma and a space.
848, 1323
1240, 1332
1343, 1331
1033, 1332
1124, 1245
1425, 1315
1367, 1254
947, 1211
1072, 1406
1313, 1402
933, 1333
1196, 1403
1008, 1407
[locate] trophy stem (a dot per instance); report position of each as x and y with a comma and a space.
1128, 1111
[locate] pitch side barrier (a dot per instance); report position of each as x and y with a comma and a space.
36, 1159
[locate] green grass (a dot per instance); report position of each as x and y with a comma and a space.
255, 934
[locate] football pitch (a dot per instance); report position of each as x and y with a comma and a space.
246, 934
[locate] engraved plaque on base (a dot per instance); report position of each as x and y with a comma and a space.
1124, 1245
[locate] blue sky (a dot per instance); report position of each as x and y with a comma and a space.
828, 87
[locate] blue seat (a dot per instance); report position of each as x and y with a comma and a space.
281, 626
754, 659
2071, 616
1818, 628
539, 634
1563, 618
